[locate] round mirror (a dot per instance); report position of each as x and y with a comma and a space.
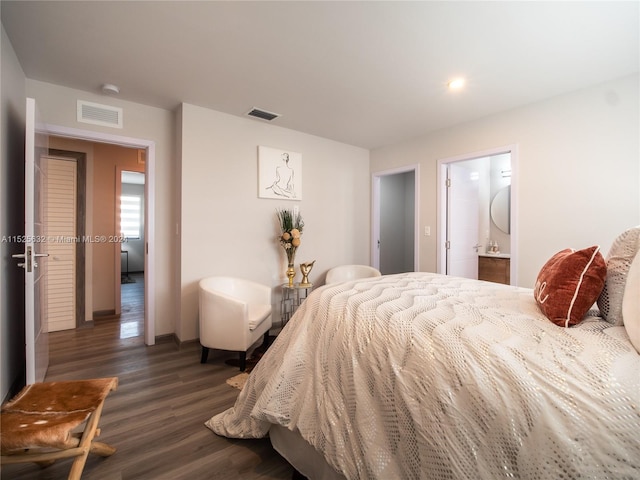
501, 209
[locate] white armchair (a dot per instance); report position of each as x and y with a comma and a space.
343, 273
234, 314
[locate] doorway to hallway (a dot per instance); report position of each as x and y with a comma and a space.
395, 213
148, 147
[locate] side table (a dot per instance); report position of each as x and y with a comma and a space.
292, 298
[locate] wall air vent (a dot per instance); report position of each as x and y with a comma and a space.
97, 114
262, 114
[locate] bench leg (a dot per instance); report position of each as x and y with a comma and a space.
86, 443
102, 449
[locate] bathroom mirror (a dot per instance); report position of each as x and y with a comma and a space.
501, 209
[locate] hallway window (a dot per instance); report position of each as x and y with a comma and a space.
130, 216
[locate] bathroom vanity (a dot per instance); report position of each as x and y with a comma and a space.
494, 267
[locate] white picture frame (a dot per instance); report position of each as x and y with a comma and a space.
279, 174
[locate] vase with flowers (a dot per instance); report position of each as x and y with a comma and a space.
291, 226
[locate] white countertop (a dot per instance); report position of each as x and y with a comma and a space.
495, 255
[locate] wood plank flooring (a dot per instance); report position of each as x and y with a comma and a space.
156, 417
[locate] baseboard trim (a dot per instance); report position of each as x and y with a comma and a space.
173, 338
168, 338
105, 314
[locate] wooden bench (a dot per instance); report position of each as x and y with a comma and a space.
39, 424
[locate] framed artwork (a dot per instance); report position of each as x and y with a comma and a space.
279, 174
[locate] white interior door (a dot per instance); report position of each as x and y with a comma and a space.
34, 259
462, 222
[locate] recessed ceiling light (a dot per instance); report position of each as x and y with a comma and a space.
456, 83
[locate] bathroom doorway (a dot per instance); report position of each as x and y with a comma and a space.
459, 248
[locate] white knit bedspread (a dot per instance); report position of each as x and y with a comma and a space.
424, 376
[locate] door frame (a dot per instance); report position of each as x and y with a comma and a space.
376, 179
150, 193
441, 203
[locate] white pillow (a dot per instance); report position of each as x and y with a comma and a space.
618, 260
631, 303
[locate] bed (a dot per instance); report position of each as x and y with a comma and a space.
427, 376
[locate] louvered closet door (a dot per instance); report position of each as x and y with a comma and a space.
60, 210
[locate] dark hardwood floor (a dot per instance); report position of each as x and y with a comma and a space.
156, 417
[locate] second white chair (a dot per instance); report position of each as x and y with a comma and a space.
343, 273
234, 314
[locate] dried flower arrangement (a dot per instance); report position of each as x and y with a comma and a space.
291, 225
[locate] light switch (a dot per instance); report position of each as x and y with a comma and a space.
427, 231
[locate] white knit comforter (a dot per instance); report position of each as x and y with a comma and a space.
424, 376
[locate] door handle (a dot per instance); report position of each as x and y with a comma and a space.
27, 258
35, 264
476, 246
29, 264
20, 255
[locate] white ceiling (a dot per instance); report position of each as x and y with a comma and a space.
364, 73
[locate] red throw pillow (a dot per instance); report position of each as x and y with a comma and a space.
569, 284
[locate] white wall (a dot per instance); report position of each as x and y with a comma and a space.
228, 230
57, 106
578, 170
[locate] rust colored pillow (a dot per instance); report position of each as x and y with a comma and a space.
569, 284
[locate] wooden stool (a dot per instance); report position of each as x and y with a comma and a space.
37, 424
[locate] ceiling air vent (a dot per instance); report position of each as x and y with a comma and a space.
97, 114
262, 114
